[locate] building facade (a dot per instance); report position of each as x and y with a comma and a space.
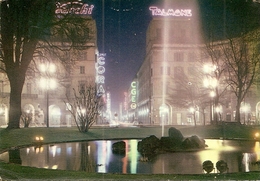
174, 62
46, 91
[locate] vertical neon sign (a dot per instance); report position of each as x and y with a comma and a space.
133, 95
100, 69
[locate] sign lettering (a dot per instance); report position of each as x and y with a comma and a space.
74, 8
100, 70
100, 79
170, 12
133, 95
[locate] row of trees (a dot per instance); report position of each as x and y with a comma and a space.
29, 30
233, 69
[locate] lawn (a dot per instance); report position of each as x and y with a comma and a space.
25, 137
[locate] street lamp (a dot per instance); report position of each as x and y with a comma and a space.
211, 82
47, 83
219, 111
245, 108
212, 94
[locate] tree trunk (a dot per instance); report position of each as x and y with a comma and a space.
237, 116
15, 112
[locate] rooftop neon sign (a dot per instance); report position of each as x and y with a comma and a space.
74, 8
170, 12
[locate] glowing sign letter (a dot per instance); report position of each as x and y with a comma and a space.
101, 89
101, 70
133, 84
101, 60
100, 79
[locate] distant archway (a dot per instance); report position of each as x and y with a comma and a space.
28, 112
257, 113
3, 115
54, 116
164, 114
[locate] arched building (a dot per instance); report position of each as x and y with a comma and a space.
45, 92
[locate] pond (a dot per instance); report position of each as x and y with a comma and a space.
97, 156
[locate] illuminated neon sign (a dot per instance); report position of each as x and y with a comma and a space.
100, 78
170, 12
133, 95
74, 8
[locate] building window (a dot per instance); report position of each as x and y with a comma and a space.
82, 70
178, 57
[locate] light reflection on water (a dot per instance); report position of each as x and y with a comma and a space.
97, 156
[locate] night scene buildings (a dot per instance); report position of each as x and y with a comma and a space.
178, 83
46, 91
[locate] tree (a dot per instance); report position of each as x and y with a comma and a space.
242, 58
27, 29
187, 92
214, 75
85, 106
233, 38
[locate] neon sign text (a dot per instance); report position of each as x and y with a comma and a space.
100, 78
170, 12
74, 8
133, 95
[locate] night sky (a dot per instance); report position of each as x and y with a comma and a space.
123, 42
126, 22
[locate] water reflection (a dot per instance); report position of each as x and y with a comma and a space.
97, 156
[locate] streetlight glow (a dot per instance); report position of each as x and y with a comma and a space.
207, 68
43, 68
212, 94
52, 68
192, 110
47, 83
210, 82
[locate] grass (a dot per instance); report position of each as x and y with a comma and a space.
25, 137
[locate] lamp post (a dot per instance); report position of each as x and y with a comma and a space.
212, 84
245, 108
212, 107
47, 83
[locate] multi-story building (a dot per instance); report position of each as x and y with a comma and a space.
175, 51
49, 103
172, 38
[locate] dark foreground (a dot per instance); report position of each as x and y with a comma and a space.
25, 137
